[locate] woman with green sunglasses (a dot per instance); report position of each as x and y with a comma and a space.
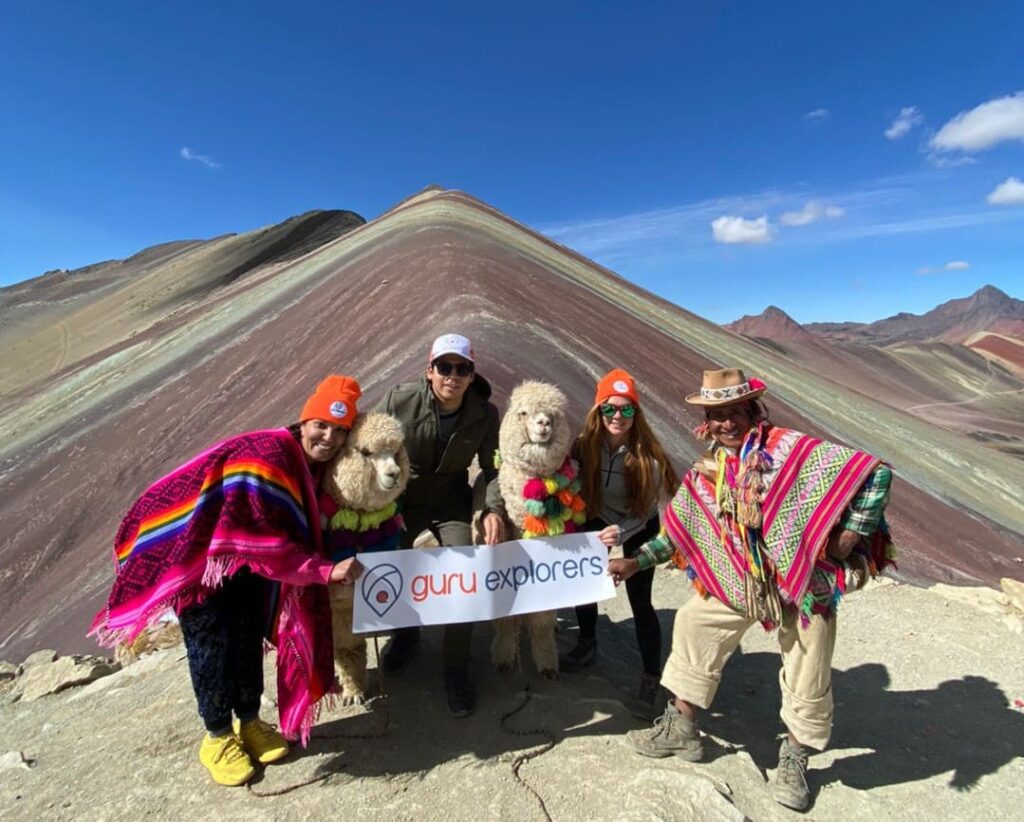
624, 472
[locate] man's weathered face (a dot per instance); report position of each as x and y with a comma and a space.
729, 424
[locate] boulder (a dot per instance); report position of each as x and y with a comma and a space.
43, 657
8, 670
66, 672
1014, 590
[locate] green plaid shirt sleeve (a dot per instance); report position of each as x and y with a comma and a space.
865, 510
655, 551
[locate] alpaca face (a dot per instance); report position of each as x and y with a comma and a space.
372, 469
540, 425
383, 467
534, 433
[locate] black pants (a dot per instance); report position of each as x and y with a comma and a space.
224, 640
451, 527
638, 589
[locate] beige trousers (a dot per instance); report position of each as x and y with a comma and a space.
706, 633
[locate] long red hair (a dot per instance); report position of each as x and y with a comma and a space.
644, 479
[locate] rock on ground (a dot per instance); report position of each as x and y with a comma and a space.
925, 728
43, 679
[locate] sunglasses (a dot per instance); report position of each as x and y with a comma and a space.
608, 410
462, 369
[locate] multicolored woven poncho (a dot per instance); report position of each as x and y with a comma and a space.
766, 514
246, 501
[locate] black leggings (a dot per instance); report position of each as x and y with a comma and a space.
224, 641
638, 589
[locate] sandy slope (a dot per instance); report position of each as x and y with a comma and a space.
925, 729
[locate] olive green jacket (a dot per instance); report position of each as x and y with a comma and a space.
440, 471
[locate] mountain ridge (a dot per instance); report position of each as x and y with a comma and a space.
184, 371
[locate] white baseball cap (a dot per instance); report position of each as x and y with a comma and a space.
452, 344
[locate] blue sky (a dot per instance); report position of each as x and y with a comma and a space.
841, 164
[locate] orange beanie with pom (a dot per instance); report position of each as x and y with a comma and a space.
334, 401
616, 383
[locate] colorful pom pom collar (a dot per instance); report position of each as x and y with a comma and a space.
553, 504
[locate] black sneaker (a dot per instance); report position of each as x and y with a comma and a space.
582, 656
458, 692
400, 651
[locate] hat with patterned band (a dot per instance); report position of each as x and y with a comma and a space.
726, 386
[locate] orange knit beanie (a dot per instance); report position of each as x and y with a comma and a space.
616, 383
334, 401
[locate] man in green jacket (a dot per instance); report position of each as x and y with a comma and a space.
448, 419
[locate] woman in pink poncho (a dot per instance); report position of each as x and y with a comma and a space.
231, 542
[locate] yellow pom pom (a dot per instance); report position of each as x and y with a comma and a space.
551, 486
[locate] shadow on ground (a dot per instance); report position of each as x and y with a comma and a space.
964, 725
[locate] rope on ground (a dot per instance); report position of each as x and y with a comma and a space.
526, 756
289, 788
383, 727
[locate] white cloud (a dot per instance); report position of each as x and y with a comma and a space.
954, 265
1008, 192
811, 212
188, 154
817, 114
729, 229
908, 117
945, 161
900, 205
983, 126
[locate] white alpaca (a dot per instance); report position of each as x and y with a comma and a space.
533, 442
365, 480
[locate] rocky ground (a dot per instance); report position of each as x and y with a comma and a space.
929, 724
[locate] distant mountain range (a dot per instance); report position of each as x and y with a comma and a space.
989, 322
987, 310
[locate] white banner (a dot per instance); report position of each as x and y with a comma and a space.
434, 586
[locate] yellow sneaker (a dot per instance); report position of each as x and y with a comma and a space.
262, 740
226, 760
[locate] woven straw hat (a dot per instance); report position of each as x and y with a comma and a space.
727, 386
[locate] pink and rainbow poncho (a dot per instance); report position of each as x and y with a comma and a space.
247, 501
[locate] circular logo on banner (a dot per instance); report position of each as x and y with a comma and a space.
382, 586
338, 410
621, 386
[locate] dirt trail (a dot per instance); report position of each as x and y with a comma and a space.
925, 729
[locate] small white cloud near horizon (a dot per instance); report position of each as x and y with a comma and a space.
945, 161
729, 229
954, 265
810, 213
188, 154
817, 114
908, 118
984, 126
1008, 192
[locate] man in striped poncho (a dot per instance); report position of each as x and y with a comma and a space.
771, 526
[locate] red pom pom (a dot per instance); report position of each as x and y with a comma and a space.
534, 489
755, 384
